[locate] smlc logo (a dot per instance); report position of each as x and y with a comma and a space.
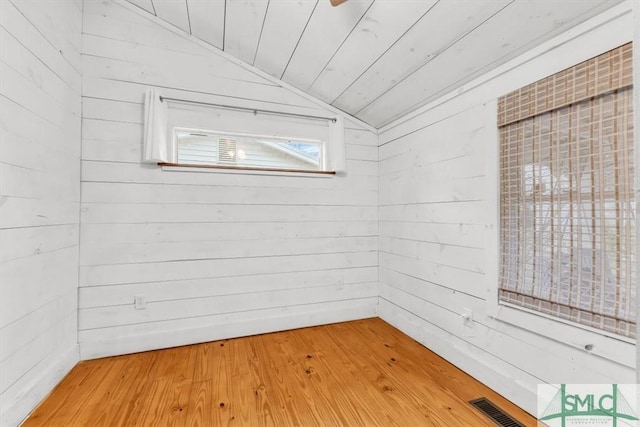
611, 405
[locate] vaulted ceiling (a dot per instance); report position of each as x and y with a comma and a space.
375, 59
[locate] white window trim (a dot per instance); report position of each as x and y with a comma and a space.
324, 172
246, 171
601, 343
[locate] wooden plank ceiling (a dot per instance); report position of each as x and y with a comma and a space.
375, 59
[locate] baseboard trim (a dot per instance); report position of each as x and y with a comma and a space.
285, 320
15, 412
489, 372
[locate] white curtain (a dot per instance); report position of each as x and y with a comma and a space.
158, 146
337, 152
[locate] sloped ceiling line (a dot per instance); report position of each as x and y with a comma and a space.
385, 51
339, 46
298, 42
171, 27
376, 60
266, 13
436, 54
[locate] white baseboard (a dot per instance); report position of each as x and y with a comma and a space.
490, 374
487, 372
37, 388
494, 373
280, 321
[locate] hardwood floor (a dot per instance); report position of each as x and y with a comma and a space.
362, 373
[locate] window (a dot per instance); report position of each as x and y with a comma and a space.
210, 148
244, 140
568, 212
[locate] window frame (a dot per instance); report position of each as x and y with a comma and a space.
228, 168
602, 343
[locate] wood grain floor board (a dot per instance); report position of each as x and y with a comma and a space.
396, 403
200, 406
210, 396
358, 386
313, 369
67, 401
283, 379
438, 406
440, 373
111, 392
137, 390
362, 373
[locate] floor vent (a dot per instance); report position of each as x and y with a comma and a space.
496, 414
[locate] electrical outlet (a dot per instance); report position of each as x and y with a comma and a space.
139, 302
467, 317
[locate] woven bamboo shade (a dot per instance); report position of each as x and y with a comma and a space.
604, 73
568, 211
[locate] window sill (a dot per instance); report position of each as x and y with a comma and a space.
607, 345
177, 167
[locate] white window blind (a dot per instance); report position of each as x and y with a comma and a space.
227, 150
568, 212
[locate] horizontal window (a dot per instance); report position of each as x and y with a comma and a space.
197, 147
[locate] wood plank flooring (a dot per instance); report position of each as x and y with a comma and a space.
362, 373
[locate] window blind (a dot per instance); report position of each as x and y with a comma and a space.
568, 212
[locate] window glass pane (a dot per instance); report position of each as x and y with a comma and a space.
198, 147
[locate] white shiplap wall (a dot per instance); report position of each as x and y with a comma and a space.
215, 254
438, 221
39, 199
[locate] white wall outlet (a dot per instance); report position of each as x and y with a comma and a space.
340, 284
139, 302
467, 317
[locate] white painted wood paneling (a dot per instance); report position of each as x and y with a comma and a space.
146, 33
101, 296
39, 200
145, 5
207, 20
149, 336
514, 30
327, 30
421, 43
383, 25
174, 12
283, 27
214, 254
243, 27
50, 22
151, 54
243, 65
359, 55
438, 221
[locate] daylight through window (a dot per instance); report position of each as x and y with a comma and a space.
210, 148
568, 212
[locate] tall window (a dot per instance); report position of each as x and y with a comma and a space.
568, 212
